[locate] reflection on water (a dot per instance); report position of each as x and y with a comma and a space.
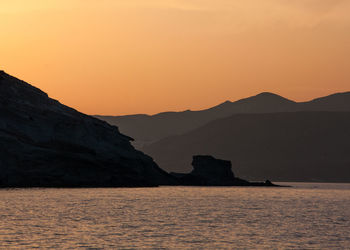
306, 216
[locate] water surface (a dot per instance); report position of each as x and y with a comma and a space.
309, 215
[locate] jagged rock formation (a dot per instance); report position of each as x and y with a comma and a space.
209, 171
46, 144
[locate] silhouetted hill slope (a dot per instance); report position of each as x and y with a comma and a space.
292, 146
148, 129
334, 102
44, 143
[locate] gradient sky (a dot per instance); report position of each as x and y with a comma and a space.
146, 56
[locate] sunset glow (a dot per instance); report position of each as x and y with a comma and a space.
133, 56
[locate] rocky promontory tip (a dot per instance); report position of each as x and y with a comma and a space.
209, 171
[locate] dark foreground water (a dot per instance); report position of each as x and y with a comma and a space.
305, 216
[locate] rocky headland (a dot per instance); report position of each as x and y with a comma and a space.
209, 171
46, 144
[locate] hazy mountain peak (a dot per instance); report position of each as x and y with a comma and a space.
268, 96
264, 98
267, 93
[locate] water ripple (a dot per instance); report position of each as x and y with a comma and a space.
177, 217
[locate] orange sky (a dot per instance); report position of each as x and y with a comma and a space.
147, 56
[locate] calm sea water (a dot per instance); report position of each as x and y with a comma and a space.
309, 215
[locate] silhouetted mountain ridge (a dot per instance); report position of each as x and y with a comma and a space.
334, 102
147, 129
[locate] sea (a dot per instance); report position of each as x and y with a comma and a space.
304, 216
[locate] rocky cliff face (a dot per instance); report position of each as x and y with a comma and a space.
44, 143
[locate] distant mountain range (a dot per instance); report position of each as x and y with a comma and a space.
265, 136
147, 129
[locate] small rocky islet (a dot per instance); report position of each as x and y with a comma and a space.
209, 171
44, 143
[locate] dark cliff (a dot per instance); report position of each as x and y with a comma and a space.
46, 144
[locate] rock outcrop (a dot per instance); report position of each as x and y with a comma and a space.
46, 144
209, 171
212, 171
